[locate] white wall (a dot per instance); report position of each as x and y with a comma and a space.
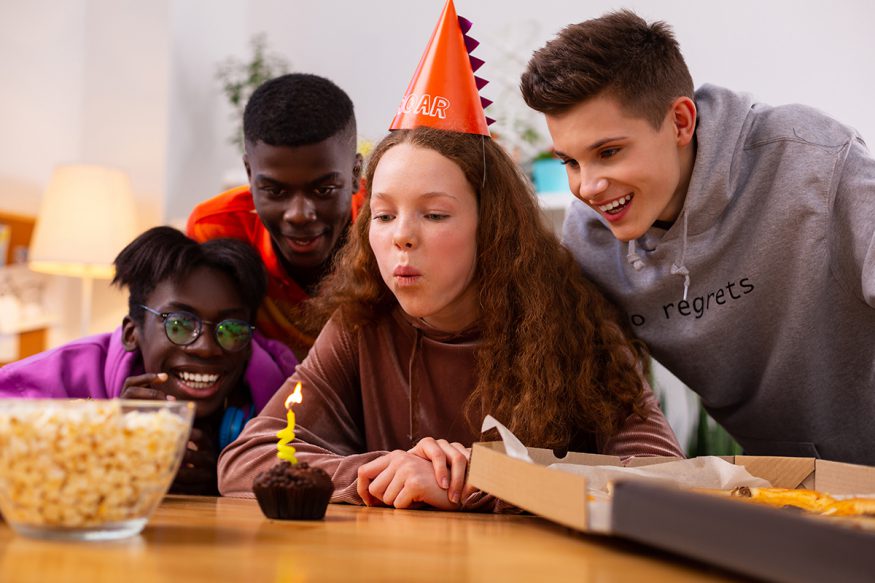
84, 81
132, 83
41, 96
780, 51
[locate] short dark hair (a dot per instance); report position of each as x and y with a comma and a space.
298, 109
164, 253
618, 55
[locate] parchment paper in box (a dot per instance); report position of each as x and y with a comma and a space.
574, 490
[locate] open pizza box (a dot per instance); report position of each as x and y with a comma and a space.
775, 544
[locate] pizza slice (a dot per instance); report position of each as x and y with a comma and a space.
808, 500
852, 507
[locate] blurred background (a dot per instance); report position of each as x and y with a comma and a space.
135, 86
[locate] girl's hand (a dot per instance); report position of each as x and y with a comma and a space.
450, 460
402, 480
143, 387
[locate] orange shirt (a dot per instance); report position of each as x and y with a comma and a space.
232, 214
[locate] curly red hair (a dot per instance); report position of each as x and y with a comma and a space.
555, 359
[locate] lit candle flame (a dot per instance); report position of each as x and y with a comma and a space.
294, 397
284, 450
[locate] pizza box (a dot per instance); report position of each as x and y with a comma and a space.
775, 544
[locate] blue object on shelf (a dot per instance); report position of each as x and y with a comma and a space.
549, 175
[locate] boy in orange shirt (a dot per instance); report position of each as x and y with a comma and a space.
300, 156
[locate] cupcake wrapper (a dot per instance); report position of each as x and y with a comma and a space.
297, 504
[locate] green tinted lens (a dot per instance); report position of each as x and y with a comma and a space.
181, 328
233, 335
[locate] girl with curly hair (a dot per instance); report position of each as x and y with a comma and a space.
452, 300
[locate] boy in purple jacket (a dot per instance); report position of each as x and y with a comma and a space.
187, 336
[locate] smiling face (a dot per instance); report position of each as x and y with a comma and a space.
620, 165
303, 196
423, 234
202, 371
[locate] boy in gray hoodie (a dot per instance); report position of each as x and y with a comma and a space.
738, 237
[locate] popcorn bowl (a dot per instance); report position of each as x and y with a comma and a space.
88, 470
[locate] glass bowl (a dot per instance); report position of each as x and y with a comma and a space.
88, 470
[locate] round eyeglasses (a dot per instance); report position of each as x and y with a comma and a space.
183, 328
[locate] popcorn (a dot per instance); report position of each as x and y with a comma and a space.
83, 464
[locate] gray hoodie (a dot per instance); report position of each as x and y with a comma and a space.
776, 243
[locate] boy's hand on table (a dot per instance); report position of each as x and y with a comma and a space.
197, 472
403, 480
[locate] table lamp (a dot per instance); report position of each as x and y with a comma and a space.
86, 217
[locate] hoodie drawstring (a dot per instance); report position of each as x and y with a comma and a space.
633, 258
681, 269
414, 395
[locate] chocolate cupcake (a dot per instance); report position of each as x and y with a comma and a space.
293, 491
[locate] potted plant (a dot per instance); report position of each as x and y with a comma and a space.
240, 78
521, 133
548, 173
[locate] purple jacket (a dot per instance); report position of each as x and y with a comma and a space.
96, 367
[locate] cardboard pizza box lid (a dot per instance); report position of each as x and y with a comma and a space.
781, 472
842, 478
768, 543
771, 543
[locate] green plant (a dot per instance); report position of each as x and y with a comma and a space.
544, 155
240, 78
711, 439
519, 131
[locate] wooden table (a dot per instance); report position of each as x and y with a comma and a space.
191, 539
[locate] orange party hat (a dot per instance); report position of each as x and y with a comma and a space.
443, 93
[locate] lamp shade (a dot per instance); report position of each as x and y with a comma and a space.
86, 217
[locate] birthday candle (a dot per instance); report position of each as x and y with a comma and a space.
287, 434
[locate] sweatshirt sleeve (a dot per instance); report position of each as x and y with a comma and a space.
270, 365
75, 370
648, 436
852, 229
329, 426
